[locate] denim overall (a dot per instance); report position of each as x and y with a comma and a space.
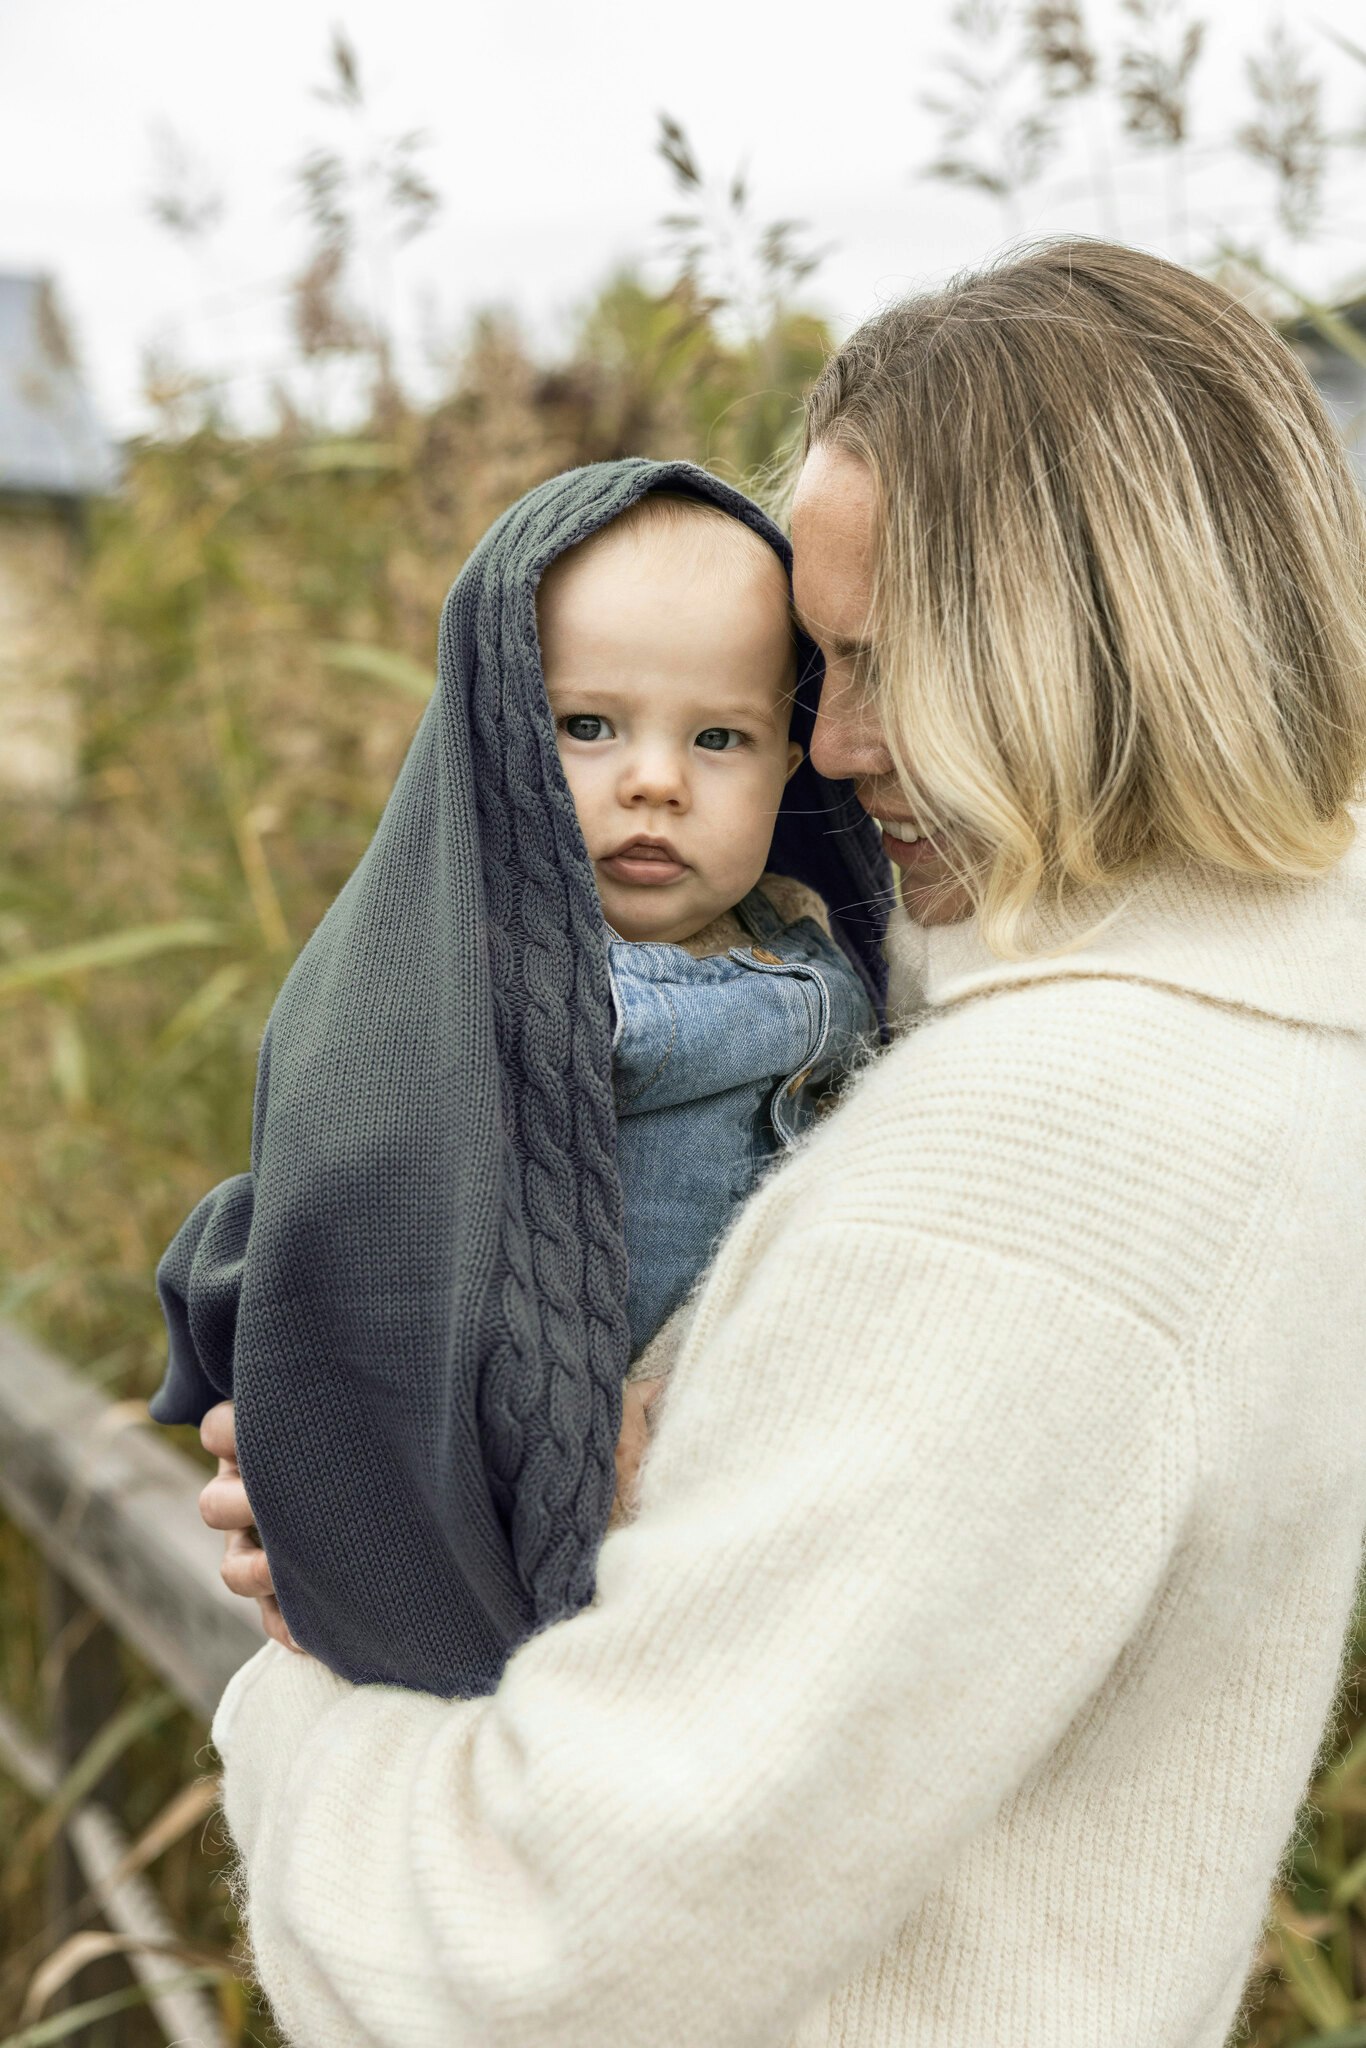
718, 1065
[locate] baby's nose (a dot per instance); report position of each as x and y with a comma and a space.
656, 776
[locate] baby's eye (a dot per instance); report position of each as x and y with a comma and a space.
584, 725
720, 739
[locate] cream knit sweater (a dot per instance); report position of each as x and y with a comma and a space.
958, 1681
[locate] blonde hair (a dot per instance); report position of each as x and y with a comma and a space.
1118, 609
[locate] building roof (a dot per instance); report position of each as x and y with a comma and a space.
1303, 327
51, 442
1340, 375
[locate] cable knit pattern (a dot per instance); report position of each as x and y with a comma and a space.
417, 1295
959, 1678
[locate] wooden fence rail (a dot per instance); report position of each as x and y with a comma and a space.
113, 1509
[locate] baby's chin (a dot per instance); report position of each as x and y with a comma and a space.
667, 914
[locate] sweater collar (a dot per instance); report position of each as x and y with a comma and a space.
1292, 950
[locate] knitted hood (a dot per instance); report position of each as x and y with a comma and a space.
417, 1295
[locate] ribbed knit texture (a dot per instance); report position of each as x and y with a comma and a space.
417, 1295
959, 1678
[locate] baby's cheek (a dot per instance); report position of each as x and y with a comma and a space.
752, 818
738, 868
585, 789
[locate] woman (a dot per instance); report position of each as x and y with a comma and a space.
963, 1668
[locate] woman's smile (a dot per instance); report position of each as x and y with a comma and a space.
904, 845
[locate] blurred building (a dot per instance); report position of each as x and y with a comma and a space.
54, 457
1340, 376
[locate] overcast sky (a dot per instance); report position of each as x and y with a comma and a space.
541, 118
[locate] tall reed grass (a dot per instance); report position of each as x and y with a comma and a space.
259, 624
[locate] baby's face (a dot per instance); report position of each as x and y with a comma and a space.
669, 671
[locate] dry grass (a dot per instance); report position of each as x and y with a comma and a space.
260, 620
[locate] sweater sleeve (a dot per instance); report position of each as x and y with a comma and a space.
907, 1502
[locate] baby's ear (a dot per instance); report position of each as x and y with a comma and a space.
795, 758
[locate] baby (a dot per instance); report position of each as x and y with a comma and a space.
669, 662
508, 1098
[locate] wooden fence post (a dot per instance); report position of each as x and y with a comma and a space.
84, 1685
113, 1509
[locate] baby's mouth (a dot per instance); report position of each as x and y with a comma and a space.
644, 861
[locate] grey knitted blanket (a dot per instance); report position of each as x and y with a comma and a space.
417, 1294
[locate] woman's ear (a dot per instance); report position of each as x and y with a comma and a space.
795, 757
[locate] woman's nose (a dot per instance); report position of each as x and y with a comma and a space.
846, 741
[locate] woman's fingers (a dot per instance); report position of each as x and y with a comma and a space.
246, 1570
224, 1505
651, 1394
223, 1501
217, 1433
245, 1567
275, 1625
636, 1398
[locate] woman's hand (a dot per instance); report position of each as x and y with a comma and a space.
224, 1505
638, 1401
246, 1568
